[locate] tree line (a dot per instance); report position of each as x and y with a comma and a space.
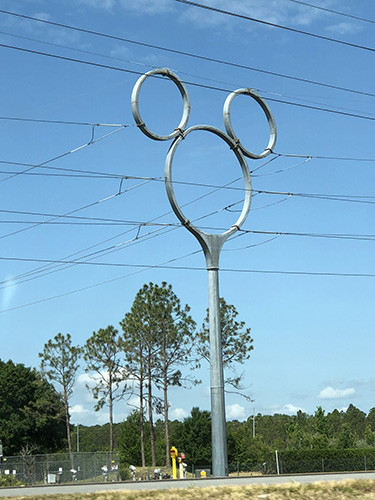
300, 433
158, 345
32, 413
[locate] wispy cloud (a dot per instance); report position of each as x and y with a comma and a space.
291, 409
148, 6
8, 293
331, 393
178, 413
78, 410
344, 28
288, 408
235, 411
274, 11
98, 4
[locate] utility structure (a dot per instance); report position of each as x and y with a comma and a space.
211, 243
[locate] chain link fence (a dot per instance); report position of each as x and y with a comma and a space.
101, 466
297, 466
57, 468
339, 464
301, 466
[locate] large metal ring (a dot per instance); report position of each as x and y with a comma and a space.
185, 98
245, 171
267, 111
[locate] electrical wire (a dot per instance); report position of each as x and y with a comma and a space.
283, 169
98, 174
144, 267
184, 53
275, 25
320, 157
60, 122
121, 245
165, 266
194, 84
325, 9
175, 70
67, 153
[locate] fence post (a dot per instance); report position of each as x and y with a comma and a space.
365, 463
238, 469
322, 464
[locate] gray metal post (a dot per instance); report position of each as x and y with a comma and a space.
211, 243
218, 427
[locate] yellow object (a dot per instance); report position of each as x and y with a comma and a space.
174, 454
203, 474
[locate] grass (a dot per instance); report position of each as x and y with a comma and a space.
333, 490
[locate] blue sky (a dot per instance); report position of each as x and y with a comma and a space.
313, 334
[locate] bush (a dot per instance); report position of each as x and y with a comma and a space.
6, 480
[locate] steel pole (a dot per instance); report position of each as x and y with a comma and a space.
211, 243
218, 427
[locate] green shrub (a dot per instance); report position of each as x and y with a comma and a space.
6, 480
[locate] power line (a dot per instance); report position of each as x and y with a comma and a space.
334, 197
116, 247
357, 18
176, 70
186, 268
91, 141
185, 53
37, 224
61, 122
110, 175
200, 85
321, 157
142, 268
275, 25
94, 173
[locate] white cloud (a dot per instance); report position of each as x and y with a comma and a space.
343, 28
141, 6
344, 408
289, 408
86, 379
235, 411
78, 410
148, 6
99, 4
178, 413
8, 293
273, 11
331, 393
133, 402
42, 15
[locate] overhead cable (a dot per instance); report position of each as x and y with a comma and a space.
339, 13
67, 153
188, 268
275, 25
200, 85
184, 53
61, 122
